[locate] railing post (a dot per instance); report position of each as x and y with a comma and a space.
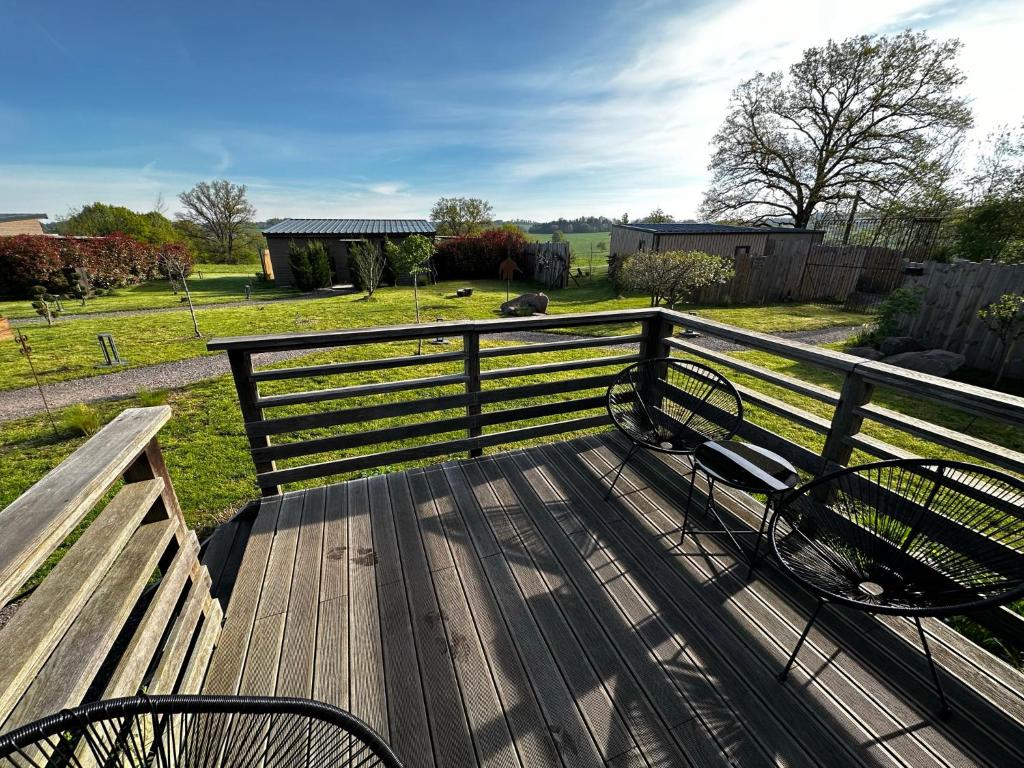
248, 396
471, 368
150, 465
657, 331
846, 422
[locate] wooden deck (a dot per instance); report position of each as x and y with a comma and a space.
498, 612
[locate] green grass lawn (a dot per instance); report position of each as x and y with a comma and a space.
216, 286
69, 349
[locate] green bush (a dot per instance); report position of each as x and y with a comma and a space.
148, 398
310, 266
81, 418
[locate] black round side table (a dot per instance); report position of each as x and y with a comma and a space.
747, 468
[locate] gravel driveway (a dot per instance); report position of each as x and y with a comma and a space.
17, 403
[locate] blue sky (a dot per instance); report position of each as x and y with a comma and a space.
377, 108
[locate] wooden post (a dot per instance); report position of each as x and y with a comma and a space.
657, 331
248, 396
845, 422
471, 368
150, 465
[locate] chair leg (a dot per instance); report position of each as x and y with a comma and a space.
689, 499
760, 535
944, 710
792, 657
618, 472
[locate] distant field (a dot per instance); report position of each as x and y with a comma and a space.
585, 253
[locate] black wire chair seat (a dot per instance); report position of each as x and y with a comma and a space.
672, 405
909, 537
175, 731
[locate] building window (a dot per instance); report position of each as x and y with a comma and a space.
742, 250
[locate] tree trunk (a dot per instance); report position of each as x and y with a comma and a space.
191, 309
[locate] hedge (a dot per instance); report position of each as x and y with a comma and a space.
113, 261
477, 256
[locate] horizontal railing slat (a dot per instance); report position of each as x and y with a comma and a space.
568, 365
35, 523
558, 346
355, 366
982, 449
358, 390
355, 463
772, 377
423, 429
789, 411
341, 338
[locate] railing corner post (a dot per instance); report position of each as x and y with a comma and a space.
657, 330
846, 422
471, 369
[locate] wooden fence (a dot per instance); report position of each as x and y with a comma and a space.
951, 295
547, 264
824, 273
97, 625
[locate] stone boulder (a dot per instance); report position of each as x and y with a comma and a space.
937, 362
897, 345
869, 353
526, 304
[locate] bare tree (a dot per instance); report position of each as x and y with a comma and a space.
460, 215
177, 264
866, 115
369, 261
220, 210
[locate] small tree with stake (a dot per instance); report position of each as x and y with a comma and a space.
176, 263
412, 257
369, 263
672, 276
1005, 318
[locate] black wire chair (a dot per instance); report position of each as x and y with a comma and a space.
672, 405
911, 537
210, 731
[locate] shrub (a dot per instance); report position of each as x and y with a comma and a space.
311, 268
28, 260
669, 277
81, 418
148, 397
477, 256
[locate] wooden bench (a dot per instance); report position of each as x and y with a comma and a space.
127, 608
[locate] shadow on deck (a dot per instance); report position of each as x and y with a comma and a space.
497, 611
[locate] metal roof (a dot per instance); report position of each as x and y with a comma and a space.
22, 216
698, 228
351, 227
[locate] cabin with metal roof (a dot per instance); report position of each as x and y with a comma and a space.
337, 235
719, 239
21, 223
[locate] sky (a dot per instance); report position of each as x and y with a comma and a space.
376, 109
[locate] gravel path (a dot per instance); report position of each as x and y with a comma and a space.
17, 403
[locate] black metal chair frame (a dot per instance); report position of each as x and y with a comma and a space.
77, 736
915, 614
636, 444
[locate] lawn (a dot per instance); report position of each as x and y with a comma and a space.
219, 284
69, 349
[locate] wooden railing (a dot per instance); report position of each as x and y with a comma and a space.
97, 625
487, 402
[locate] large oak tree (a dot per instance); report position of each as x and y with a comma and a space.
219, 210
460, 215
871, 116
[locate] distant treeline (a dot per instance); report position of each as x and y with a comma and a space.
583, 224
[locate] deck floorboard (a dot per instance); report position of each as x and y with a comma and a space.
500, 612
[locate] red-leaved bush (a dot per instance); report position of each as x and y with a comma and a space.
477, 256
113, 261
